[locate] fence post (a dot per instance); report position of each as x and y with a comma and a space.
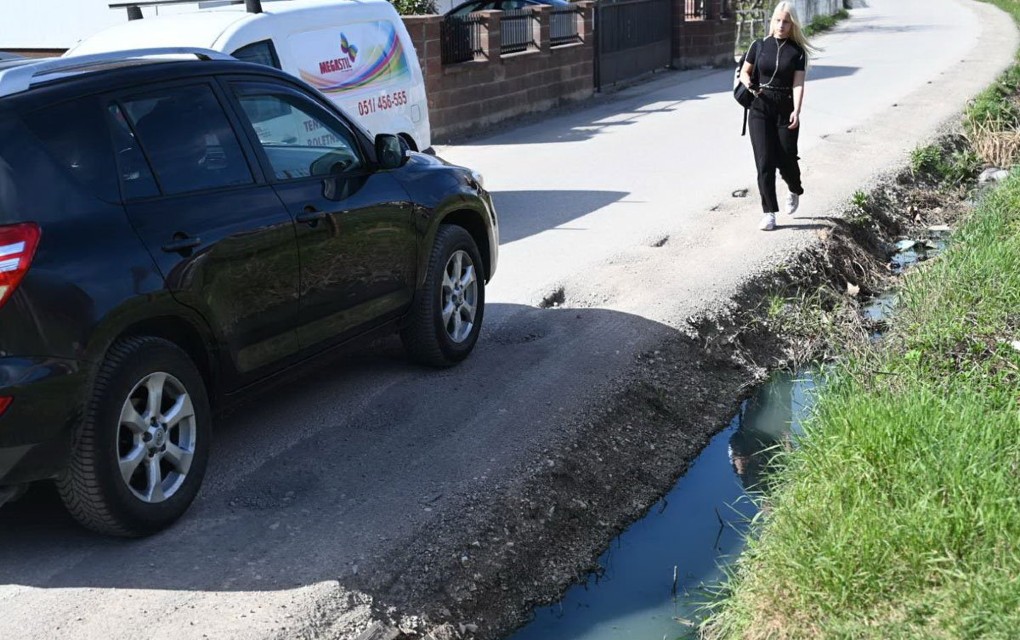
425, 36
585, 19
540, 27
491, 39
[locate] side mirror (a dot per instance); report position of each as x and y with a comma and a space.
389, 152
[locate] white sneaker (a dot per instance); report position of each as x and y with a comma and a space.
768, 222
792, 202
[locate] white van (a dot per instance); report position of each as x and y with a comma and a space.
356, 52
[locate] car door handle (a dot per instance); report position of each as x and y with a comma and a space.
181, 243
311, 216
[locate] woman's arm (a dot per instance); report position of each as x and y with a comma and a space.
798, 98
745, 75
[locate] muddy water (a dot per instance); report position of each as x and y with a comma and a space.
698, 527
655, 574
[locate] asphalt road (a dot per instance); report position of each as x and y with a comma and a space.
318, 480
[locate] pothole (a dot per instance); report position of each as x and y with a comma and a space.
554, 299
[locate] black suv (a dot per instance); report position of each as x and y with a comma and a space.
174, 230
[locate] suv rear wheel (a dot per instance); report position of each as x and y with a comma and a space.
142, 448
447, 313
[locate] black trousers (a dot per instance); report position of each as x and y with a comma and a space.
774, 144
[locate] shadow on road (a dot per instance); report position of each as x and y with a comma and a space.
829, 71
526, 213
327, 472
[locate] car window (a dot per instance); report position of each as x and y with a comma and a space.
136, 179
260, 53
473, 7
75, 136
187, 139
305, 141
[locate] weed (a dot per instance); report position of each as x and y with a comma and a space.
926, 161
860, 200
775, 306
949, 168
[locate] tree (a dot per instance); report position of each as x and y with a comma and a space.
414, 7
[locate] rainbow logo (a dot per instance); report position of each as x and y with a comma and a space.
349, 49
380, 63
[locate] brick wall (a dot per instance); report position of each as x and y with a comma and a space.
493, 87
706, 41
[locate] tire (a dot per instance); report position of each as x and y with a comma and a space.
119, 431
432, 337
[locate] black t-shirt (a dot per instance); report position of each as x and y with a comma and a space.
764, 54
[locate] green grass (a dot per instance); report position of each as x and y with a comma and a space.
899, 516
824, 23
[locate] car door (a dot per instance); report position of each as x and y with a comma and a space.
355, 231
218, 232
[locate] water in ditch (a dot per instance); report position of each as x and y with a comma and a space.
692, 531
654, 575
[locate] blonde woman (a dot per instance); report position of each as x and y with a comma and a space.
774, 71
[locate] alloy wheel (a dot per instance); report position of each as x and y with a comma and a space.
460, 296
156, 437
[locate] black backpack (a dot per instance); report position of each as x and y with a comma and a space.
741, 93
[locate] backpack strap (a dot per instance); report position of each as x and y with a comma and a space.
743, 130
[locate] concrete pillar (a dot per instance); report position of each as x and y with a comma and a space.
585, 20
540, 27
492, 41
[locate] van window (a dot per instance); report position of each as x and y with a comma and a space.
260, 53
187, 139
306, 141
75, 136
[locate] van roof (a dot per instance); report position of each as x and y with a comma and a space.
201, 27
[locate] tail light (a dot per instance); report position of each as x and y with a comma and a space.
5, 401
18, 243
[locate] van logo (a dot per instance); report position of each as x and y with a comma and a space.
344, 63
349, 49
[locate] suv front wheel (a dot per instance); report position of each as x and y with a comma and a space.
447, 312
141, 451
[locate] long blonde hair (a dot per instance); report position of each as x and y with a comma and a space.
796, 32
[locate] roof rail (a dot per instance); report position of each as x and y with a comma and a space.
134, 9
19, 78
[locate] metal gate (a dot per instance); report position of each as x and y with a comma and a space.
632, 37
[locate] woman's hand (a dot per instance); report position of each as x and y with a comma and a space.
794, 120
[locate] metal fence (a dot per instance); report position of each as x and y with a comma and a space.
697, 9
633, 37
517, 31
563, 26
461, 38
